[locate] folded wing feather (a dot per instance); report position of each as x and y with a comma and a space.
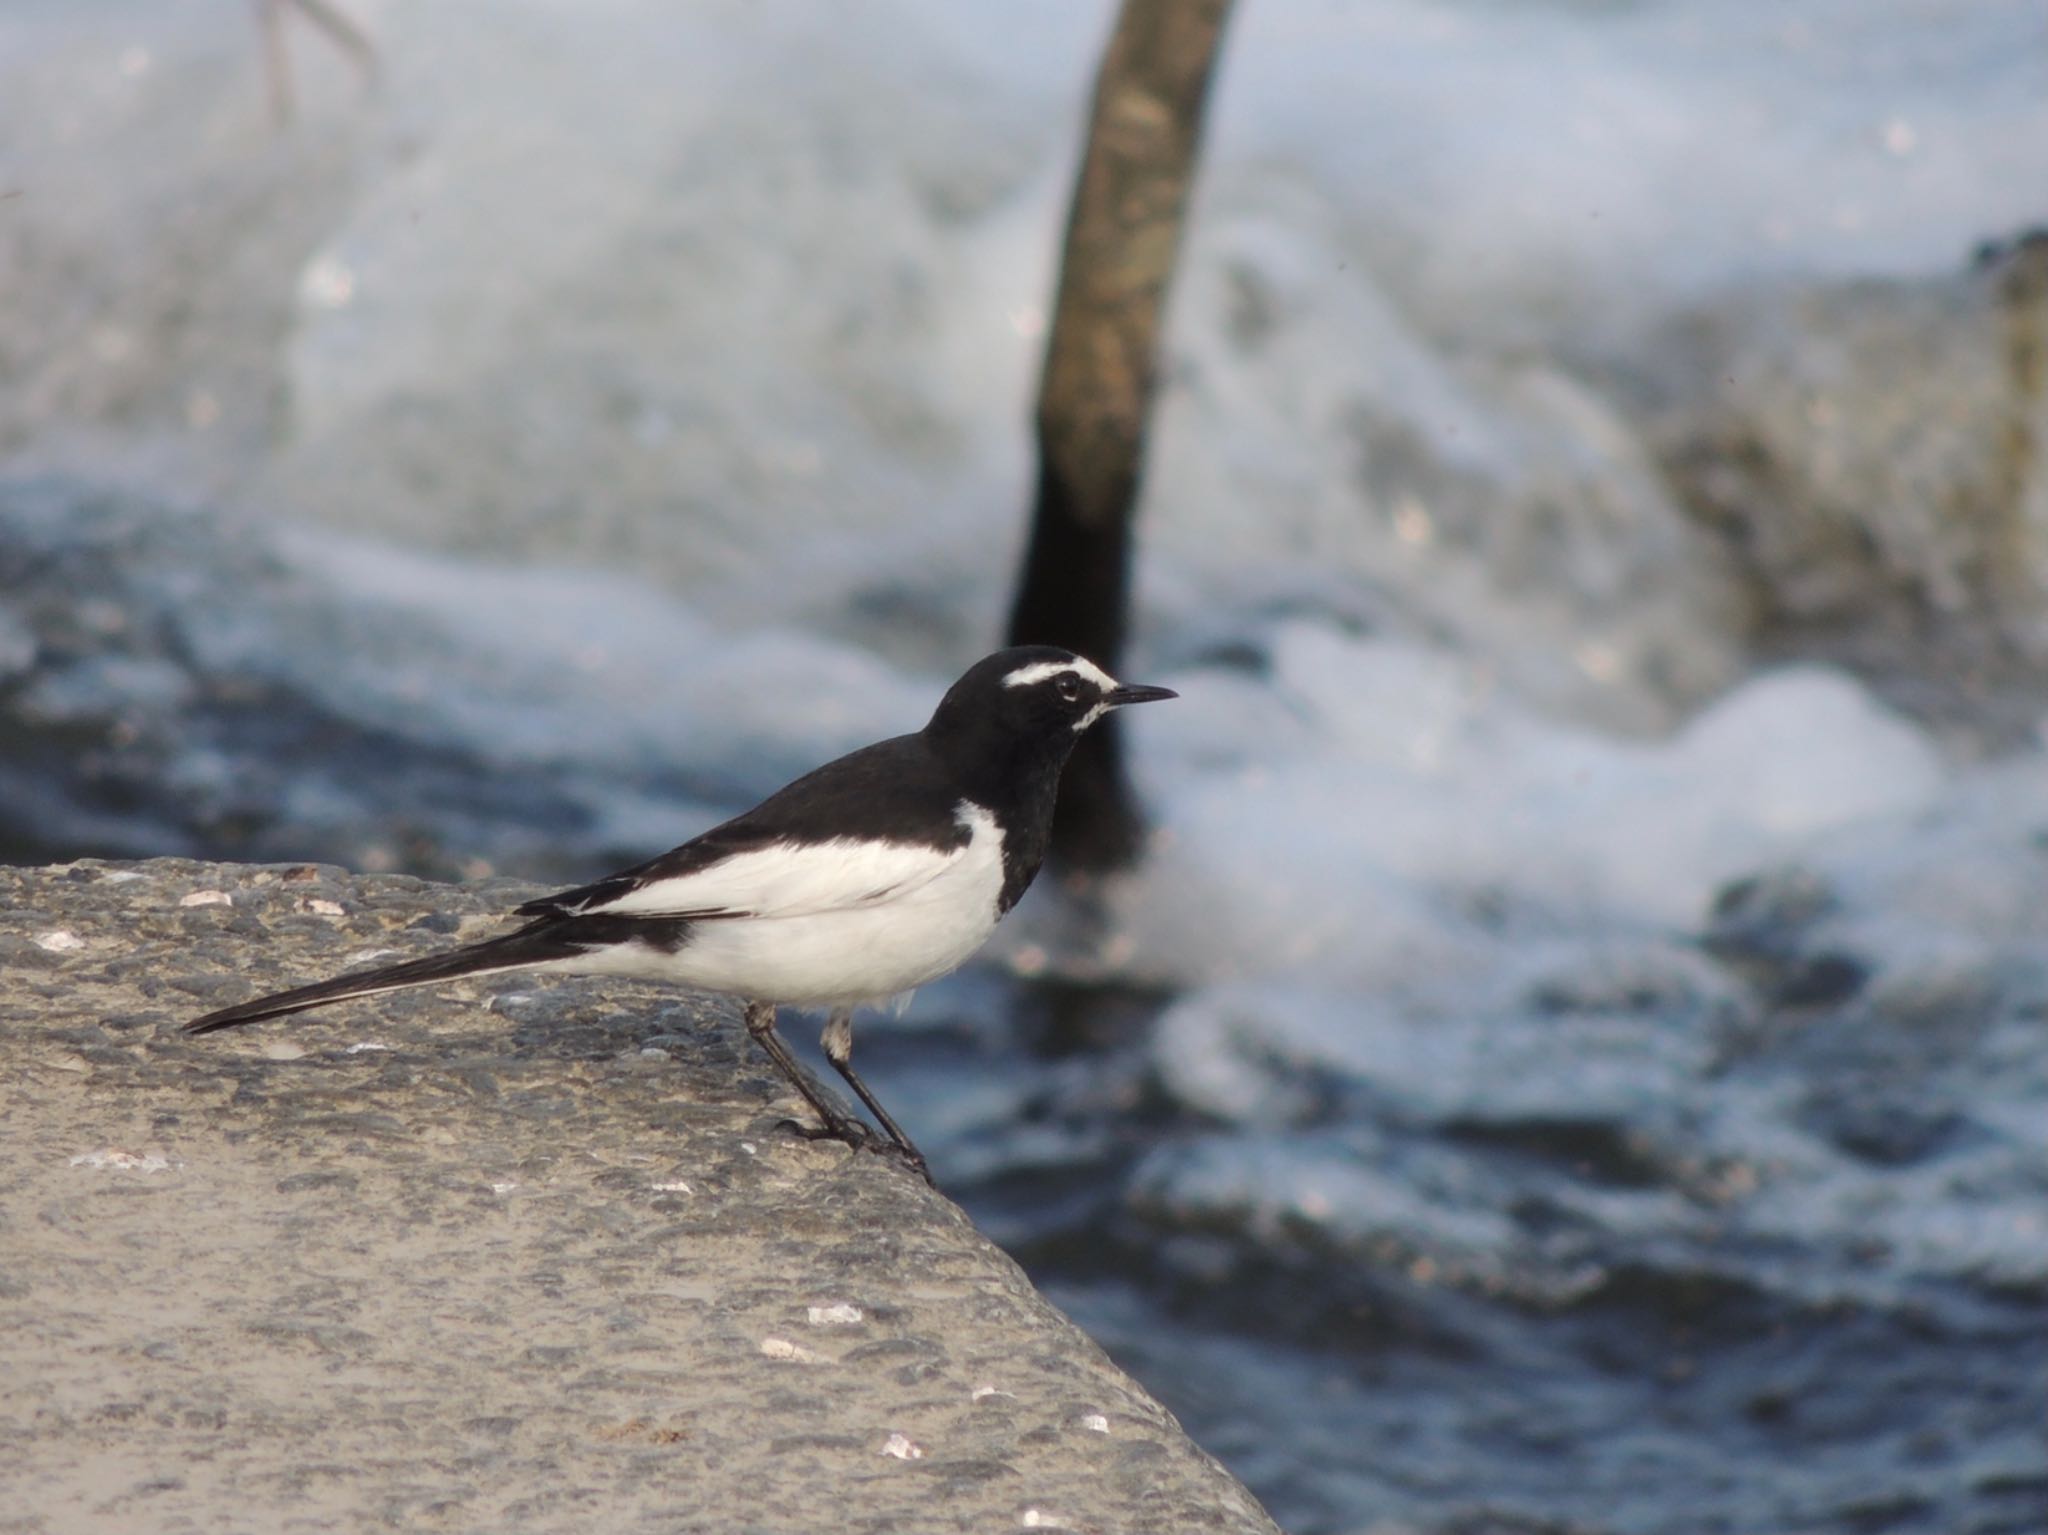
772, 880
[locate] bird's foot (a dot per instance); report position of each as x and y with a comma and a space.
909, 1156
849, 1131
857, 1135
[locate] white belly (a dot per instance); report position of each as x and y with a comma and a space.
834, 958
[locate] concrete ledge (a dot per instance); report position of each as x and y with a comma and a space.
488, 1257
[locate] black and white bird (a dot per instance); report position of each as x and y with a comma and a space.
858, 882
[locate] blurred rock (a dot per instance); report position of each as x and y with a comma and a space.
489, 1264
1868, 454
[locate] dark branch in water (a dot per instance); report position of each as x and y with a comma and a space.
1123, 234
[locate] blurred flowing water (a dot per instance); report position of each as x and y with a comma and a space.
1576, 1057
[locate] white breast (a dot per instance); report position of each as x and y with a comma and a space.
842, 924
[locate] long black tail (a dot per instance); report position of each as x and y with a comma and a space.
534, 945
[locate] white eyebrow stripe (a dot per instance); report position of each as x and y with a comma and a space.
1038, 671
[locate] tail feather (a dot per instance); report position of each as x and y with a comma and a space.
514, 951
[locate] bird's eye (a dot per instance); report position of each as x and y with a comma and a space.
1068, 687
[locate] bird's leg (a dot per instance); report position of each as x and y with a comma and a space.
343, 33
761, 1024
838, 1042
277, 64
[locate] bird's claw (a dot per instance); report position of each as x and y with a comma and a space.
911, 1158
859, 1137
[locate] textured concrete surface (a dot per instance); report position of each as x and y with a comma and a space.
502, 1256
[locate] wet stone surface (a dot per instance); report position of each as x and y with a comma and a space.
487, 1256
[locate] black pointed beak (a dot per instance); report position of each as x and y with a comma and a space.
1117, 697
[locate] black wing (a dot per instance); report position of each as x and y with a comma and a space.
893, 791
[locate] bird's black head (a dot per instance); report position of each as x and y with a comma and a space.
1033, 700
